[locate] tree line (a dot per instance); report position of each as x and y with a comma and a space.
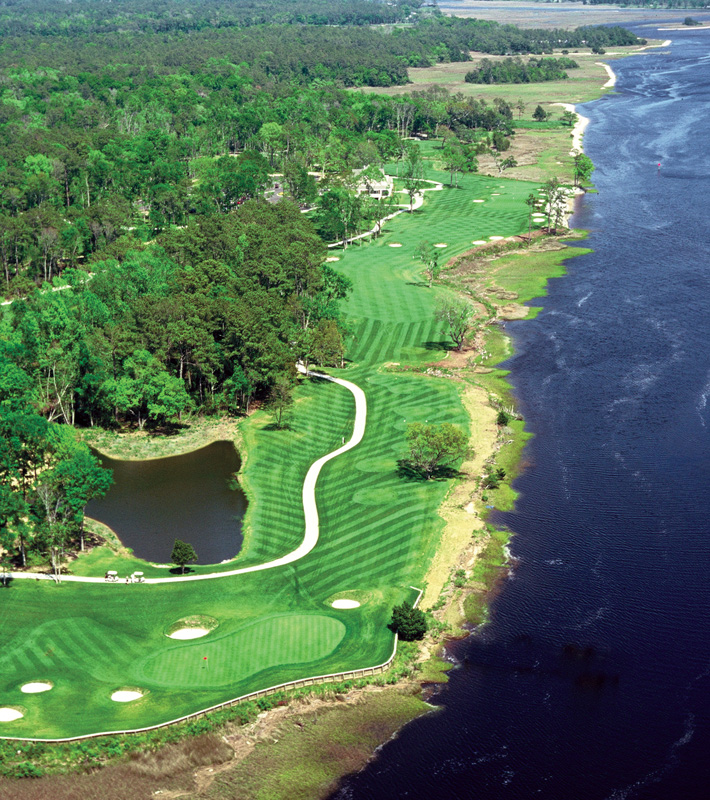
44, 17
38, 35
205, 319
137, 175
140, 155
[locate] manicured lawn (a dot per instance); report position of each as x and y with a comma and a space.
378, 529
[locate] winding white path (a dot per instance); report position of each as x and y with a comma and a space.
418, 203
310, 508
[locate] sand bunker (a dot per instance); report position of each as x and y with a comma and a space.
479, 241
10, 714
496, 238
36, 687
395, 244
189, 633
333, 258
441, 244
345, 604
126, 695
495, 194
479, 201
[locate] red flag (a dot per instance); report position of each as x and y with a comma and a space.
205, 657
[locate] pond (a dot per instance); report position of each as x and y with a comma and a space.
193, 497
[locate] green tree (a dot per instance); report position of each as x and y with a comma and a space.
81, 478
340, 213
554, 203
183, 553
503, 164
539, 114
408, 623
281, 397
458, 158
412, 172
301, 185
429, 256
327, 346
147, 391
583, 168
457, 314
531, 201
432, 448
568, 118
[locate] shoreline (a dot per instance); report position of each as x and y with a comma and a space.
454, 606
610, 72
580, 126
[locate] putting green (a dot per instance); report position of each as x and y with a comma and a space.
378, 529
287, 639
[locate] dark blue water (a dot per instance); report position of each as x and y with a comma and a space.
592, 680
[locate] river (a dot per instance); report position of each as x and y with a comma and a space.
592, 680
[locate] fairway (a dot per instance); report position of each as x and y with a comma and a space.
378, 530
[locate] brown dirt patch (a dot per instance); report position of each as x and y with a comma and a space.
513, 311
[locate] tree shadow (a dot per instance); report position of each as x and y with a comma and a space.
6, 581
409, 472
178, 570
421, 284
165, 428
273, 426
445, 344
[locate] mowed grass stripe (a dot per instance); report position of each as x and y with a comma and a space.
378, 528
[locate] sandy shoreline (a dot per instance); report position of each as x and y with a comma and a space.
578, 130
582, 122
610, 72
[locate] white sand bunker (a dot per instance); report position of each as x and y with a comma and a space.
395, 244
495, 194
496, 238
189, 633
126, 695
479, 201
333, 258
479, 241
10, 714
35, 687
441, 244
344, 603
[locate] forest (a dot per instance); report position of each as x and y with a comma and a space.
146, 276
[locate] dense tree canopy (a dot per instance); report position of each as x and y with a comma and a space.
206, 319
155, 160
515, 70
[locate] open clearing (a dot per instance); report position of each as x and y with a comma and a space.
378, 529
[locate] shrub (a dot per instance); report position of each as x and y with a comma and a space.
408, 622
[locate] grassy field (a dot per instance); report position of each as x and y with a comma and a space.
582, 85
541, 150
378, 529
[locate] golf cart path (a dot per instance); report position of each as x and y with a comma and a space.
310, 509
